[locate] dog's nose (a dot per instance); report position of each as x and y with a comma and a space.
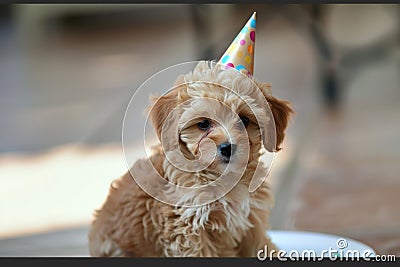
227, 149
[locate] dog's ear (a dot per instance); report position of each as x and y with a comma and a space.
161, 108
281, 111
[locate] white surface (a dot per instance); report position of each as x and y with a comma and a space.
318, 242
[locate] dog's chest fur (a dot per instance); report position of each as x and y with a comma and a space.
225, 219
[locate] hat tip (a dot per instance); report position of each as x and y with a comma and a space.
240, 54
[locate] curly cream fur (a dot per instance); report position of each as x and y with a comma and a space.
132, 223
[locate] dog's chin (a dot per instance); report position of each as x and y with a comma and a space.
217, 165
214, 170
223, 166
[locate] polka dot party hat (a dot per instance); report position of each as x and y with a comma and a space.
240, 54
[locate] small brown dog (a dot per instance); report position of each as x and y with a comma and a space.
133, 223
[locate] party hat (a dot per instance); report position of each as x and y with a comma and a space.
240, 54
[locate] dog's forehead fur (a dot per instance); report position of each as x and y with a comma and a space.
228, 86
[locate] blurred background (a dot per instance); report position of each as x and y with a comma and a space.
68, 72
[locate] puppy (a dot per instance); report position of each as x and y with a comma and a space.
222, 118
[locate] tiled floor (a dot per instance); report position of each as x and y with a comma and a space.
337, 173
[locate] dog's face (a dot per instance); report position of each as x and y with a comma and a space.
221, 118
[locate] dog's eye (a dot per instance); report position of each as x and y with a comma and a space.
245, 120
204, 124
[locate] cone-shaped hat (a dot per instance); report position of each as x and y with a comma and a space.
240, 54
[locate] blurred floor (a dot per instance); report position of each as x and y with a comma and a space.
68, 242
347, 180
65, 97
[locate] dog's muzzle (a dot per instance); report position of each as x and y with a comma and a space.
226, 150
